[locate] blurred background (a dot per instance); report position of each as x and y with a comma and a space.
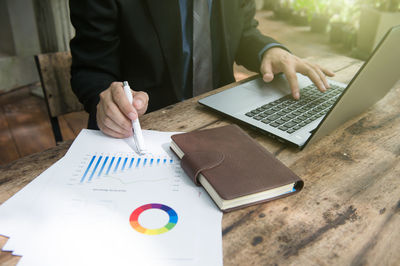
30, 27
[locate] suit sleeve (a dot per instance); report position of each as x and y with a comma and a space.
252, 41
94, 49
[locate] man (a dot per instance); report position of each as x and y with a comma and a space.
150, 44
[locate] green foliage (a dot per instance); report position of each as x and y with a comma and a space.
322, 7
302, 5
311, 8
343, 11
346, 11
286, 3
386, 5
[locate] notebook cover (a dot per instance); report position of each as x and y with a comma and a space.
233, 163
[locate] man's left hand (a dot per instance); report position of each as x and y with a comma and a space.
277, 60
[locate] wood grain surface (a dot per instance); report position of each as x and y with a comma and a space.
55, 75
347, 214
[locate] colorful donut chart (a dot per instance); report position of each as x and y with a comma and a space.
134, 219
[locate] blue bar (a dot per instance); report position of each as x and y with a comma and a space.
158, 160
123, 166
171, 161
116, 166
130, 165
151, 161
102, 167
95, 167
165, 160
145, 161
87, 169
138, 161
109, 167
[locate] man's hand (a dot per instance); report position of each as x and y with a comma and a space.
277, 60
115, 114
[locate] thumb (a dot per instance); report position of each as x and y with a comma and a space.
266, 71
140, 101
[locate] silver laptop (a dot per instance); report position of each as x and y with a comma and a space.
270, 107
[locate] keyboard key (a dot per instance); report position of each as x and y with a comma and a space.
285, 111
307, 115
308, 121
312, 112
269, 112
296, 113
283, 128
290, 131
274, 124
290, 124
312, 105
302, 124
280, 121
273, 117
280, 100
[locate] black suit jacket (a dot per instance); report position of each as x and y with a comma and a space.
140, 41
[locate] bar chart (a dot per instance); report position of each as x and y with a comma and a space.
101, 165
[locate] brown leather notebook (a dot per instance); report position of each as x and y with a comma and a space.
235, 170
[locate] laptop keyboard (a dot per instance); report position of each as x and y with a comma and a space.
290, 115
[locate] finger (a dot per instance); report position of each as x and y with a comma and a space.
112, 111
140, 101
111, 124
112, 133
291, 76
326, 71
266, 70
308, 71
107, 130
120, 99
321, 76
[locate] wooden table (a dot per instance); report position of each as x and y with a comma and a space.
347, 214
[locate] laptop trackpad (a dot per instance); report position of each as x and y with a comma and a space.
243, 97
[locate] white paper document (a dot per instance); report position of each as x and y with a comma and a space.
103, 204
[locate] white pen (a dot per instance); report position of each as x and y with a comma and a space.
137, 130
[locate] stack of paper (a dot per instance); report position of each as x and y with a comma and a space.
102, 204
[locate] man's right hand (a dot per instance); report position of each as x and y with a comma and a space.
114, 112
